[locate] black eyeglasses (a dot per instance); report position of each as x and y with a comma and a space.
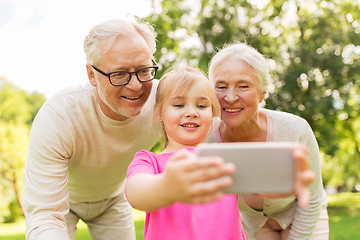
119, 78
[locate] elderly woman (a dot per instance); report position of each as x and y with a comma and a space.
240, 75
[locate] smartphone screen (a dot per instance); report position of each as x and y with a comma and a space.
261, 167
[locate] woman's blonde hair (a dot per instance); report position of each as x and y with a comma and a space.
178, 81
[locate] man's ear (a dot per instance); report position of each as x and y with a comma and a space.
91, 75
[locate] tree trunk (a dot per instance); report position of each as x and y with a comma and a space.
17, 194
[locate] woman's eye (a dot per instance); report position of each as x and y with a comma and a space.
178, 105
244, 86
221, 87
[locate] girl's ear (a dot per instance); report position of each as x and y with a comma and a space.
158, 115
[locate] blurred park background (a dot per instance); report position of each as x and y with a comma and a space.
314, 52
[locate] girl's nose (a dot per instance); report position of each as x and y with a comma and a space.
191, 112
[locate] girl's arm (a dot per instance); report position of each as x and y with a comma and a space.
186, 179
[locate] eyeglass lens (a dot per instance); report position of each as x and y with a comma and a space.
144, 74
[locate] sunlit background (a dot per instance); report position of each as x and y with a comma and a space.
313, 48
41, 40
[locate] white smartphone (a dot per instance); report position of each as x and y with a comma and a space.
261, 167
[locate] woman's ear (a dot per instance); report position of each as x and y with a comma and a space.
262, 96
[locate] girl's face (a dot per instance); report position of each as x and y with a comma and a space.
187, 117
238, 89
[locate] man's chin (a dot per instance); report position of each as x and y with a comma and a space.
131, 112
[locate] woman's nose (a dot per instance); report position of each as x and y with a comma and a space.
231, 97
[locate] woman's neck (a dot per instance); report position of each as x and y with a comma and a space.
254, 130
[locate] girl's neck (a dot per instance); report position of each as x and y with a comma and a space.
254, 131
173, 147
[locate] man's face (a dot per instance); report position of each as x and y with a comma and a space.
128, 53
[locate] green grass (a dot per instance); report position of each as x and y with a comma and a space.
344, 216
344, 221
15, 231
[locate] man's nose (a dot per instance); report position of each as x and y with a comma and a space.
134, 83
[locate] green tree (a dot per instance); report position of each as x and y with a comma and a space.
319, 82
314, 47
17, 111
13, 148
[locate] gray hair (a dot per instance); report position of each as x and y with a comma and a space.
110, 30
248, 54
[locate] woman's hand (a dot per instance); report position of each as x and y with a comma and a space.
303, 177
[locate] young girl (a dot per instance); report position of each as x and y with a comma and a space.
180, 193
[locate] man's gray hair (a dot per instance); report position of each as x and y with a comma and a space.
110, 30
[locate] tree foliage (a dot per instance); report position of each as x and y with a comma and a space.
314, 47
17, 111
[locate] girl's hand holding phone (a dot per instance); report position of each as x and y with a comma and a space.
191, 180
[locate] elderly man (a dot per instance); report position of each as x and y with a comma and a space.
83, 138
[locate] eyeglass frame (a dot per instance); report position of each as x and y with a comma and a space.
156, 67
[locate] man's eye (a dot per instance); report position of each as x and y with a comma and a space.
144, 71
221, 87
119, 74
244, 86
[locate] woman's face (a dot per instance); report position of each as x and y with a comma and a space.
238, 89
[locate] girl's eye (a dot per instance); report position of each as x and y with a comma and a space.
178, 105
202, 106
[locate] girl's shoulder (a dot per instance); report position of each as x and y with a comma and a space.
148, 156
